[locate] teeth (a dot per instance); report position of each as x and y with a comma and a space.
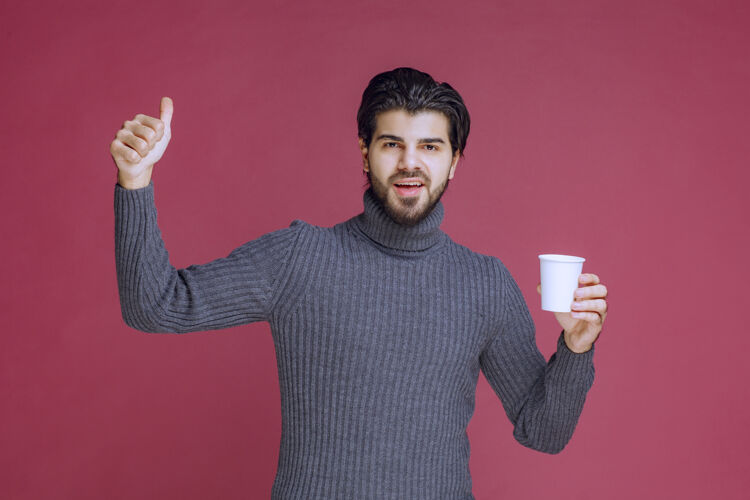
409, 184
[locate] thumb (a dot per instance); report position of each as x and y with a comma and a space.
167, 107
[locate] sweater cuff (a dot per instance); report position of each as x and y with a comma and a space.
139, 198
150, 187
574, 366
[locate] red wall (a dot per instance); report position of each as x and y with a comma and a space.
613, 130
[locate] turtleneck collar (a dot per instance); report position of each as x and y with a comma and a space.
379, 227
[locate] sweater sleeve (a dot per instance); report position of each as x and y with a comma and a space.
542, 400
155, 297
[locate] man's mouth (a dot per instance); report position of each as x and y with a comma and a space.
408, 187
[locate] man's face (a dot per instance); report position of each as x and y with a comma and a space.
409, 162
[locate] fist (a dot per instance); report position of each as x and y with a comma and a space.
141, 142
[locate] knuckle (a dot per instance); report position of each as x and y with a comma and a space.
139, 117
159, 125
121, 134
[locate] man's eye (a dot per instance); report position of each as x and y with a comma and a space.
430, 147
391, 144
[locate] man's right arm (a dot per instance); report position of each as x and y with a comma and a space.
155, 297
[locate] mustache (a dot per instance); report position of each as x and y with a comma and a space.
409, 175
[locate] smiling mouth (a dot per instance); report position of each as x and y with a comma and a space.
408, 188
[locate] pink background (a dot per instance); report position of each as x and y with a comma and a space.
613, 130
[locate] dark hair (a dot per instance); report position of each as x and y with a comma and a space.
413, 91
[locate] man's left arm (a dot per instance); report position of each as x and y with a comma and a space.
544, 400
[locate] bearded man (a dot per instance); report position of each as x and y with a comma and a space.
381, 323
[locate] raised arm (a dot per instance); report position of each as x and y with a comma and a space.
543, 400
155, 297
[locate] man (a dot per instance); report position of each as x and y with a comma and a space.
381, 323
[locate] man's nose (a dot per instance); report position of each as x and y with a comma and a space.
410, 159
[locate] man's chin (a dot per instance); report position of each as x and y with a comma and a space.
406, 211
408, 201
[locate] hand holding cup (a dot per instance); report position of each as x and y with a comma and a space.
578, 300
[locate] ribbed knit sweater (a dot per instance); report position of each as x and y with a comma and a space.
380, 332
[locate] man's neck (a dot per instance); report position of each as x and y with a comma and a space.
382, 229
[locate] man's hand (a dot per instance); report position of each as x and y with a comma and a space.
139, 144
589, 309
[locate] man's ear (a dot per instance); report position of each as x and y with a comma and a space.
363, 150
454, 164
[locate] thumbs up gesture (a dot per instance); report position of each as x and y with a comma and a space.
139, 144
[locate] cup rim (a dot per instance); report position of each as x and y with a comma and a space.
553, 257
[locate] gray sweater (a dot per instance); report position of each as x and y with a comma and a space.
380, 332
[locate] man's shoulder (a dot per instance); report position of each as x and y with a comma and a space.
293, 230
465, 256
309, 229
321, 234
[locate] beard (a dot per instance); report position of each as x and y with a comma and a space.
406, 211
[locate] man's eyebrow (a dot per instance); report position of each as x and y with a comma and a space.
401, 139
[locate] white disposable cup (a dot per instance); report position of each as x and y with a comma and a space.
559, 280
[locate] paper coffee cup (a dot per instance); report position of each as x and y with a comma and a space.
559, 280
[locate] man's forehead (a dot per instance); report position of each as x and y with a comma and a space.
401, 122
